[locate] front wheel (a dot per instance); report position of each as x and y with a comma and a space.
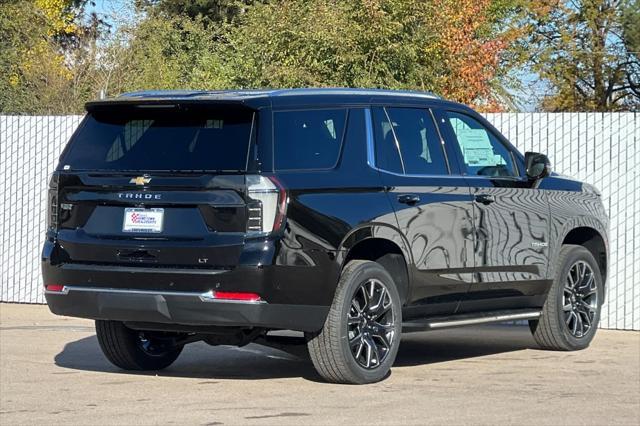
360, 338
571, 312
136, 350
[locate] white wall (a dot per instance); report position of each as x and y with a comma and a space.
601, 149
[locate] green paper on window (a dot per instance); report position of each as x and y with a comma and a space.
476, 147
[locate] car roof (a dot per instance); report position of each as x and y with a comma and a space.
257, 98
275, 93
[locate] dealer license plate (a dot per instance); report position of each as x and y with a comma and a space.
143, 220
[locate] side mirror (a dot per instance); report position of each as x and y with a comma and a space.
537, 165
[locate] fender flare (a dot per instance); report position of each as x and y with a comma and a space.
568, 226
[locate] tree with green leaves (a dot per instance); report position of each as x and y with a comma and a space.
158, 53
631, 38
449, 47
581, 54
48, 50
464, 50
208, 11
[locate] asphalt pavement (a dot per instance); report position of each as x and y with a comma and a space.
52, 372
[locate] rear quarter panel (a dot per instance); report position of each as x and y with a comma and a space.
328, 212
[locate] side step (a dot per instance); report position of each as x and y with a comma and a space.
469, 319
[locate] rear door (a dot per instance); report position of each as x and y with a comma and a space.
433, 207
158, 186
511, 217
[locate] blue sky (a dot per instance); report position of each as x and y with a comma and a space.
107, 9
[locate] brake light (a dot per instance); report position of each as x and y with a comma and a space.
267, 205
52, 207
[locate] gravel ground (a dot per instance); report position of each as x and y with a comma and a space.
52, 372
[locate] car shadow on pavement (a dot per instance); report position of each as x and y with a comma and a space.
466, 342
198, 360
255, 362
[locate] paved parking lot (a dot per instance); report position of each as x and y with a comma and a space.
52, 371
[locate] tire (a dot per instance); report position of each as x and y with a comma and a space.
133, 350
558, 327
356, 314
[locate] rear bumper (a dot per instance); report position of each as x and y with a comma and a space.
183, 308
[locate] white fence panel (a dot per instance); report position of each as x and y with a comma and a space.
29, 150
599, 148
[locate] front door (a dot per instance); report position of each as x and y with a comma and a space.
511, 217
433, 207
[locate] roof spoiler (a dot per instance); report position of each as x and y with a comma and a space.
121, 103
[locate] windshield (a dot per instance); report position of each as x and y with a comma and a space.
161, 139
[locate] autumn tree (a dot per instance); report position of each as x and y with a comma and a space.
449, 47
463, 50
471, 49
579, 51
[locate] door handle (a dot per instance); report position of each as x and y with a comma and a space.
485, 198
409, 199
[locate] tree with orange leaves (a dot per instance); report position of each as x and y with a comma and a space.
470, 51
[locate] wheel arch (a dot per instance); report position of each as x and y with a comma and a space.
382, 244
593, 240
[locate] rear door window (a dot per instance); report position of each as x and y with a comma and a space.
420, 147
308, 139
407, 141
144, 139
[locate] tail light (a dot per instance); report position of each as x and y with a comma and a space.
267, 204
53, 209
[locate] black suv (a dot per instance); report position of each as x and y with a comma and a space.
349, 215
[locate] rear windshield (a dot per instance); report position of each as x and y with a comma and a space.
158, 139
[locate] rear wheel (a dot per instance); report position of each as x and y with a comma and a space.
571, 313
136, 350
360, 338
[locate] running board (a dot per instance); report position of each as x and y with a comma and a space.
469, 319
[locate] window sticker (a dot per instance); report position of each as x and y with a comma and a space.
476, 146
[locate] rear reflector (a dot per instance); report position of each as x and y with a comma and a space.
230, 295
54, 288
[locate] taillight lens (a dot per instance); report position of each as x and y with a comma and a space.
267, 204
52, 205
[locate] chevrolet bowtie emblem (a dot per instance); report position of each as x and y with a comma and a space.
140, 180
